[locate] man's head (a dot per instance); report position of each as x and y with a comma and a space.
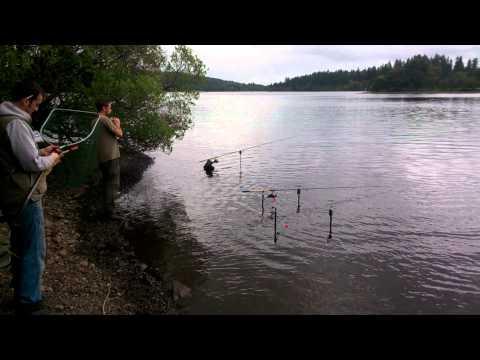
104, 106
28, 96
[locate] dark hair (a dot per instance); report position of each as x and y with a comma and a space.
26, 88
101, 103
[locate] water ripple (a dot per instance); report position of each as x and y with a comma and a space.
412, 246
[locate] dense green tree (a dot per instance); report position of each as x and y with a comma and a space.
475, 64
458, 64
213, 84
469, 65
418, 73
152, 91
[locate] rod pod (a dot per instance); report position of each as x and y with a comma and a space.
275, 225
240, 153
330, 213
298, 200
263, 200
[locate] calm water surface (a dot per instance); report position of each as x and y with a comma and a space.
410, 246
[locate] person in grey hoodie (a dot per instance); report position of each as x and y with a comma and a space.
21, 162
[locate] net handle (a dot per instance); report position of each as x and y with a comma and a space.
72, 110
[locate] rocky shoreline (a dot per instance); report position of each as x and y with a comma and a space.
91, 268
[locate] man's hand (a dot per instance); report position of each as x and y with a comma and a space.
119, 132
116, 121
57, 158
72, 148
48, 150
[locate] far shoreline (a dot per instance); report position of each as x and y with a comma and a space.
356, 91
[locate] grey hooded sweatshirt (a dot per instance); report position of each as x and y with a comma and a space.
22, 139
20, 160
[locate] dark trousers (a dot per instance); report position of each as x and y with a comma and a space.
110, 183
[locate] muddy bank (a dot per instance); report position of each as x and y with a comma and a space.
91, 268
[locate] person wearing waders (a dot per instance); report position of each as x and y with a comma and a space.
108, 153
208, 167
21, 162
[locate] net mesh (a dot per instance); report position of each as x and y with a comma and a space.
65, 127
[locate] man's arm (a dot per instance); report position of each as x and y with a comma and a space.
113, 125
25, 150
48, 150
54, 151
116, 122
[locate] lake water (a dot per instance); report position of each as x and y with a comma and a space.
410, 245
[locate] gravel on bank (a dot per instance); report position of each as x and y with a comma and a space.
90, 267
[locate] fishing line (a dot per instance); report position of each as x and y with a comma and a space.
335, 203
298, 190
248, 148
344, 201
309, 188
208, 166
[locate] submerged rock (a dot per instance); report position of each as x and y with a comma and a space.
180, 290
143, 267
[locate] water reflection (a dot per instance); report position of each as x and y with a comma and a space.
162, 237
411, 246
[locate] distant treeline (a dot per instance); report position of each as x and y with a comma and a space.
213, 84
418, 73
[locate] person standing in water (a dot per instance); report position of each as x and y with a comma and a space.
108, 153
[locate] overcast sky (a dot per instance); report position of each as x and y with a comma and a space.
266, 64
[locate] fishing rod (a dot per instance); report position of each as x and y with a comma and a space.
298, 190
247, 148
276, 233
270, 142
309, 188
208, 166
